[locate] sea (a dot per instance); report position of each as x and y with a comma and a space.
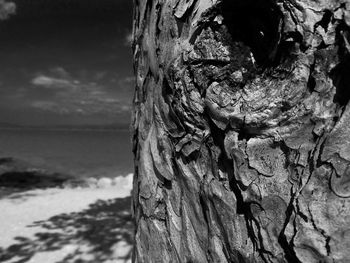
80, 153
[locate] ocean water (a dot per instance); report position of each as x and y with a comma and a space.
81, 153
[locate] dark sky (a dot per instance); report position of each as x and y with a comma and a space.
66, 62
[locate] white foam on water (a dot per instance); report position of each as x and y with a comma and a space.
121, 183
124, 182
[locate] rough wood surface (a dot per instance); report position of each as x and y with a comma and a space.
242, 130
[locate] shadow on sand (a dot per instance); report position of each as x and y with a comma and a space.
89, 236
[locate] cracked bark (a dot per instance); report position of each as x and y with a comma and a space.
241, 131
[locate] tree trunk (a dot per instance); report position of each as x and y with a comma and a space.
242, 131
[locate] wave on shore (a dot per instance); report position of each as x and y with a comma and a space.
17, 175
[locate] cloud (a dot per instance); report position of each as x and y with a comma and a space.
83, 107
128, 39
53, 83
129, 79
6, 9
127, 84
50, 106
57, 78
80, 96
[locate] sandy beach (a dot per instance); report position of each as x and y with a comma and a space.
80, 224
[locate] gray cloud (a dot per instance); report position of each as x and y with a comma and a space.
73, 96
128, 39
66, 61
6, 9
54, 83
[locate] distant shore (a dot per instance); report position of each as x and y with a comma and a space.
75, 152
53, 217
17, 175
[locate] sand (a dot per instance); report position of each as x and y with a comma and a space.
67, 225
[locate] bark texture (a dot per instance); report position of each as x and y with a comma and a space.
242, 130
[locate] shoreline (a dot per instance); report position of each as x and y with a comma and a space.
56, 218
18, 175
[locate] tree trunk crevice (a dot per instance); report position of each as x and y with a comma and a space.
241, 131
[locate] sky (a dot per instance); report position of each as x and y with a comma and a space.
66, 62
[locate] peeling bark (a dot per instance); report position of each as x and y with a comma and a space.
241, 131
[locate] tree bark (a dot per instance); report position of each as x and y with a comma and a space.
242, 130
